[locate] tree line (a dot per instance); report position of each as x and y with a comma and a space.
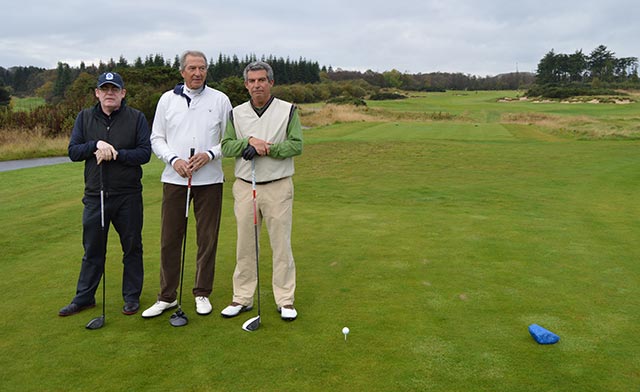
601, 64
29, 81
52, 84
435, 81
67, 89
561, 75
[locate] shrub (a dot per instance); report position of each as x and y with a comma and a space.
433, 89
386, 96
347, 101
562, 92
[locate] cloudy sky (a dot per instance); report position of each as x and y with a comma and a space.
417, 36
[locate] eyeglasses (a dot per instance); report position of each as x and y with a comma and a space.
109, 89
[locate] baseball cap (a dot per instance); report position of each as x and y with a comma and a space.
110, 78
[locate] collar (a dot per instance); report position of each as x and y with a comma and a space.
179, 90
98, 108
260, 110
191, 92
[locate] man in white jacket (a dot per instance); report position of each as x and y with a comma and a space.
192, 115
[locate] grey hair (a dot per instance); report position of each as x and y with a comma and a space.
195, 53
258, 66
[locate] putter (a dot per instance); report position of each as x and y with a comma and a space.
179, 319
98, 322
253, 323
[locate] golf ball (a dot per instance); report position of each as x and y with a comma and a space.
345, 330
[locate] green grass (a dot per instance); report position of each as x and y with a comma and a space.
437, 243
574, 120
26, 104
483, 105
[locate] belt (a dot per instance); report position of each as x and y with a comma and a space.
262, 182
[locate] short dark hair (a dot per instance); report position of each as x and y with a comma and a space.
258, 66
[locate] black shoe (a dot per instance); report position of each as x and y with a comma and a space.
74, 308
130, 308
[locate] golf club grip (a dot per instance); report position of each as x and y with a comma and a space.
255, 209
101, 199
102, 209
253, 191
192, 152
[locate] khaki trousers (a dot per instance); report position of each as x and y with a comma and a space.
207, 202
275, 206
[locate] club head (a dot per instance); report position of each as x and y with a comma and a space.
252, 324
179, 319
96, 323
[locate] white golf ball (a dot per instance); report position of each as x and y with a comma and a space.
345, 330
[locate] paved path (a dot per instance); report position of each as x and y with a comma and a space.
25, 163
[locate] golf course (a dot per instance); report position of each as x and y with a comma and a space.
437, 228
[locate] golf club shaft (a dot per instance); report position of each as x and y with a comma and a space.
184, 240
255, 227
104, 245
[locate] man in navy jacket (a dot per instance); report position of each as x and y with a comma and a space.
113, 141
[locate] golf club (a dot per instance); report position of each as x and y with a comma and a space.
98, 322
253, 323
179, 319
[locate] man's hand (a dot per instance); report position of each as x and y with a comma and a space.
105, 152
182, 168
99, 156
249, 153
198, 160
261, 146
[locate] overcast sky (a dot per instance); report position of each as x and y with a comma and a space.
417, 36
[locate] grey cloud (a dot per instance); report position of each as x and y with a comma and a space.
482, 38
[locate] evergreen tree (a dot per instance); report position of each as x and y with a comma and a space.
63, 80
601, 63
5, 95
158, 60
122, 62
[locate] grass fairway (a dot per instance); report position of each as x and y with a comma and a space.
436, 243
26, 104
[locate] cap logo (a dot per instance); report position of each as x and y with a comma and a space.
109, 76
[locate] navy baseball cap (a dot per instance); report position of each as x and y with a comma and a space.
110, 78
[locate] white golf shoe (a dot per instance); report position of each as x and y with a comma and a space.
288, 313
159, 307
234, 309
203, 306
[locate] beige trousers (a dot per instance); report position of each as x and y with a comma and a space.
274, 203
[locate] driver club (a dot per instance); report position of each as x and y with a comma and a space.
253, 323
179, 318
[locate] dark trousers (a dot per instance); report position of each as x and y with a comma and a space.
125, 212
207, 203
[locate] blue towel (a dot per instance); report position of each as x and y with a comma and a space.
543, 336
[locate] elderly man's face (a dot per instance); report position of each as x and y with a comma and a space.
195, 72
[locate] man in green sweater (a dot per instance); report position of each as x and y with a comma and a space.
267, 130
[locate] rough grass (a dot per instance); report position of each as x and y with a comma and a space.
314, 116
26, 144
